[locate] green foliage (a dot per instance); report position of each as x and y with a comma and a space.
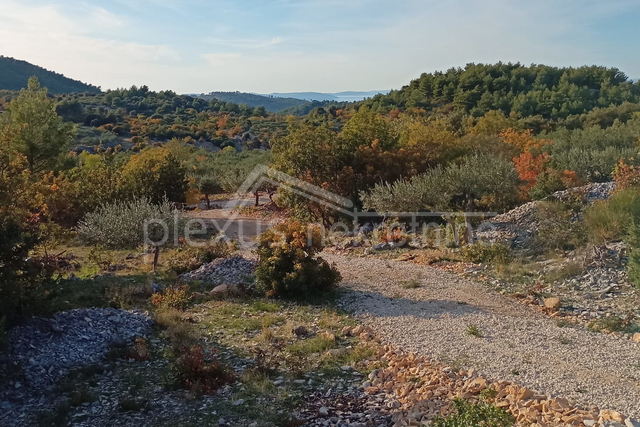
207, 186
14, 74
609, 220
174, 298
155, 174
31, 127
633, 242
467, 414
474, 331
188, 258
486, 253
121, 225
478, 182
270, 103
559, 229
536, 90
24, 280
288, 265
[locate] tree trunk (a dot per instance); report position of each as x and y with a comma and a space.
456, 236
257, 194
156, 257
206, 197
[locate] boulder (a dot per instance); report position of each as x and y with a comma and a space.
552, 303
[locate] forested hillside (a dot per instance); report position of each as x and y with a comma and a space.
14, 74
270, 103
537, 90
145, 117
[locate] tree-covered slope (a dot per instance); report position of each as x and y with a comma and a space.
270, 103
14, 74
550, 92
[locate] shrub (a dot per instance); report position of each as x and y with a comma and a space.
24, 280
175, 297
626, 175
559, 227
288, 265
156, 174
188, 258
200, 374
610, 219
633, 242
482, 253
467, 414
122, 225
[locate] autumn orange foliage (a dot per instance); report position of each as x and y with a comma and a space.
626, 175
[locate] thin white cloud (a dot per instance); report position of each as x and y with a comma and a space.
305, 45
46, 36
257, 43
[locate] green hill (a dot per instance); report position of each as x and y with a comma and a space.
14, 74
270, 103
536, 90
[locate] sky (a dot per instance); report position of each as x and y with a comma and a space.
264, 46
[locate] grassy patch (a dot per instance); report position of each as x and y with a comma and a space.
410, 284
313, 345
474, 331
468, 414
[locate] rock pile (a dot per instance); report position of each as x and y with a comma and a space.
43, 351
229, 271
421, 390
518, 226
352, 408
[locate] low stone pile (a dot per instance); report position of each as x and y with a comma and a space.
43, 351
351, 408
518, 226
229, 271
417, 390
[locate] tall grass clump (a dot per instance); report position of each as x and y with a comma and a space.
609, 220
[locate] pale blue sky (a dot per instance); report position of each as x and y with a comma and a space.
309, 45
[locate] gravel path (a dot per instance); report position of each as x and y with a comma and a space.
518, 344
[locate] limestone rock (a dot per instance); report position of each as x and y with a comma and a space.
552, 303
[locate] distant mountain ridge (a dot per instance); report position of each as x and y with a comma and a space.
270, 103
14, 74
347, 96
275, 102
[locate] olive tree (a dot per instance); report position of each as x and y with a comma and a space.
480, 182
131, 224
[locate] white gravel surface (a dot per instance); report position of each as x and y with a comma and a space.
518, 343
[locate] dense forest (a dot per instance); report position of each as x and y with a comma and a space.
14, 74
537, 90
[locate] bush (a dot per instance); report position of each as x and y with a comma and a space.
559, 227
200, 374
633, 242
609, 220
24, 280
287, 262
482, 253
122, 225
189, 258
467, 414
175, 297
